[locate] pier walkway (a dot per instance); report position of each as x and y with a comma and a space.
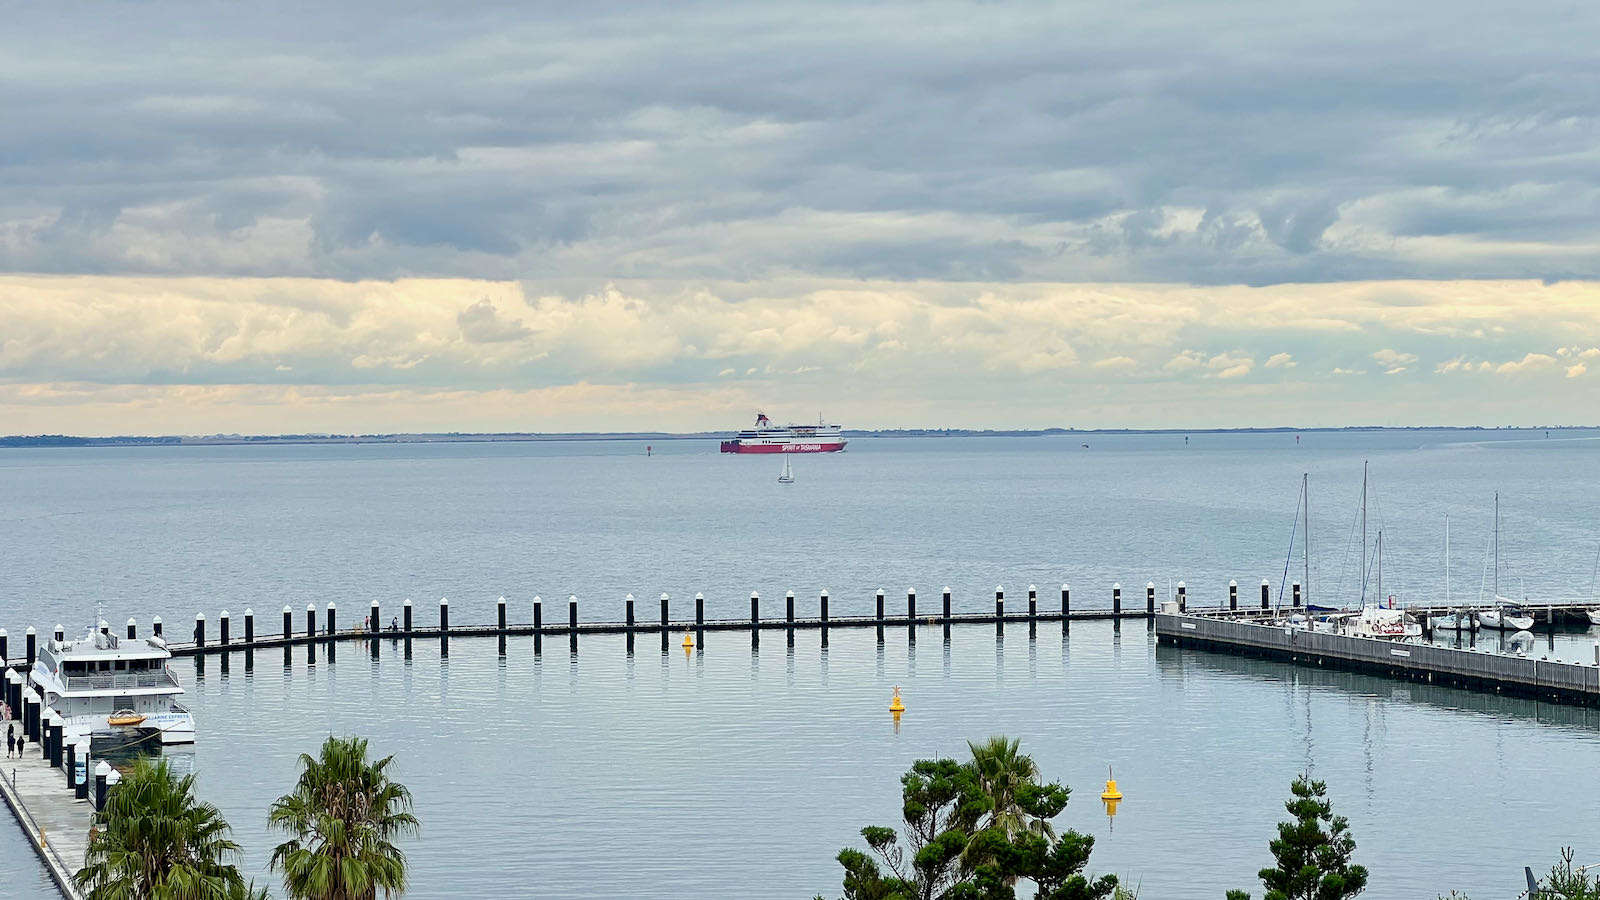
1562, 681
56, 824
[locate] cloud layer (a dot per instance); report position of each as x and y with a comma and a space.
1149, 141
636, 356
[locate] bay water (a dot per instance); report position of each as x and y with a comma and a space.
735, 771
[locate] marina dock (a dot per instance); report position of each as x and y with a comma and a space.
54, 821
1556, 680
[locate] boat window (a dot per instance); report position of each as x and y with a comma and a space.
73, 668
120, 665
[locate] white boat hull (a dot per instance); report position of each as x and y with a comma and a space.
1594, 617
1494, 620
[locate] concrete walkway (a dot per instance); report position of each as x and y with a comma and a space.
57, 824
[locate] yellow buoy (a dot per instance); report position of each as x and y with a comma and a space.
688, 640
895, 706
1110, 794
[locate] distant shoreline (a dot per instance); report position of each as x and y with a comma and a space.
59, 440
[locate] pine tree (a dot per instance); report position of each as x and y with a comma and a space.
1313, 851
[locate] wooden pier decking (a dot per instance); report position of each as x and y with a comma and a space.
55, 823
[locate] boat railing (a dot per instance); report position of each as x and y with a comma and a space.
119, 680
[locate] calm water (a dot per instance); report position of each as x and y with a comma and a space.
741, 774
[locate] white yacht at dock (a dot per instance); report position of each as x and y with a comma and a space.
113, 691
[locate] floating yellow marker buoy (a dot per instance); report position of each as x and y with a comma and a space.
1110, 794
895, 706
688, 640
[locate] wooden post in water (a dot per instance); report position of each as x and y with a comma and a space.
1116, 599
1233, 595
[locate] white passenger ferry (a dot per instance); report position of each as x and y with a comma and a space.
112, 691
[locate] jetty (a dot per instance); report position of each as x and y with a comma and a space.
1575, 681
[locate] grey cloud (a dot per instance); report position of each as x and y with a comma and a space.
481, 324
736, 141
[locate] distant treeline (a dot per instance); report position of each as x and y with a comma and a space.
67, 440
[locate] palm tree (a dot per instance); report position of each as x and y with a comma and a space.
1006, 775
343, 818
159, 841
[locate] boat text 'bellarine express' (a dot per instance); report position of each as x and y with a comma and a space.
769, 438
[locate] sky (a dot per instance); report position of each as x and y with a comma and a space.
395, 217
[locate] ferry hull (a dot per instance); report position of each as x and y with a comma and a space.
796, 447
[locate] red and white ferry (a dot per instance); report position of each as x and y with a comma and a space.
769, 438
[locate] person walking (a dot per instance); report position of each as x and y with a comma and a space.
22, 740
11, 741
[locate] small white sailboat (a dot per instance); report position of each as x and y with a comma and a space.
788, 473
1506, 615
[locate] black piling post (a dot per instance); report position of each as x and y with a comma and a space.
4, 648
824, 604
155, 626
288, 624
1233, 595
331, 627
538, 624
755, 610
80, 789
311, 620
1116, 599
665, 621
1066, 602
628, 602
374, 618
699, 617
224, 631
500, 615
1150, 598
1183, 597
999, 602
880, 606
788, 602
249, 625
444, 613
945, 600
572, 622
405, 613
101, 773
71, 766
133, 634
1033, 603
1266, 594
200, 630
57, 732
1294, 594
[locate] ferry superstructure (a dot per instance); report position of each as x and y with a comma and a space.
769, 438
113, 691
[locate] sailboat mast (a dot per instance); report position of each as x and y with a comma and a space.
1380, 566
1363, 534
1497, 545
1305, 545
1447, 560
